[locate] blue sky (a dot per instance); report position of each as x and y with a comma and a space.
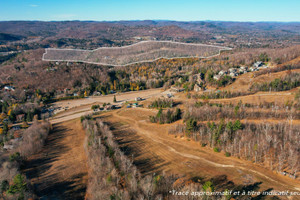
181, 10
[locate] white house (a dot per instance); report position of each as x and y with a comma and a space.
10, 88
233, 74
257, 64
232, 70
217, 77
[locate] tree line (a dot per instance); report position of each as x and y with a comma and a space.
212, 112
275, 145
288, 82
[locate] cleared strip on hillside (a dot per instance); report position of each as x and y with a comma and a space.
145, 51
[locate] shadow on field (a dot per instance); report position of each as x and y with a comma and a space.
133, 147
50, 186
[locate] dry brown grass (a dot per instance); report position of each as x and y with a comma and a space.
279, 98
163, 152
61, 165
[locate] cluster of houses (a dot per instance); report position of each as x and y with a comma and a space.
233, 72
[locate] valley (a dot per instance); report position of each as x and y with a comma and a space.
149, 107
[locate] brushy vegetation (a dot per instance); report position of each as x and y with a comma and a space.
18, 188
277, 69
34, 138
9, 180
210, 112
166, 117
162, 103
288, 82
297, 96
221, 95
224, 80
271, 144
94, 107
13, 184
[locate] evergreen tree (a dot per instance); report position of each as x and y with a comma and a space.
5, 128
191, 125
237, 125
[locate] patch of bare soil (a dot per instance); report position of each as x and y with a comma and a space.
59, 171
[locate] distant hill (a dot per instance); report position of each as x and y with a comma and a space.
92, 34
9, 37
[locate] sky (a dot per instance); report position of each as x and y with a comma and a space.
179, 10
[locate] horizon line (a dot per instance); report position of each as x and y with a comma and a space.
154, 20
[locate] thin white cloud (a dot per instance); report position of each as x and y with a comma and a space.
33, 5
